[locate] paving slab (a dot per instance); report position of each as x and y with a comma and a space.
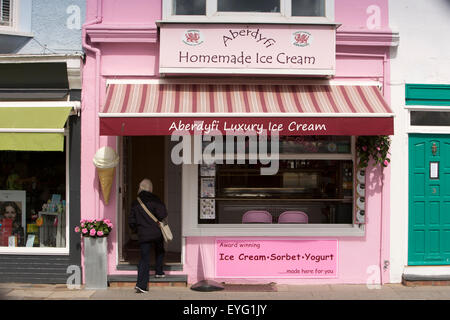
71, 294
13, 285
14, 291
3, 292
26, 294
304, 288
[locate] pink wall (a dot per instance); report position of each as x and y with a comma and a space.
130, 12
136, 59
128, 59
362, 14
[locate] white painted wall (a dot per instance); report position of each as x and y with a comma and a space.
423, 56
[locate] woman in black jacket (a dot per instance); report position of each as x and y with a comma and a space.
148, 232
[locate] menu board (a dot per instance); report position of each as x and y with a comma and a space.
208, 170
207, 202
207, 209
207, 188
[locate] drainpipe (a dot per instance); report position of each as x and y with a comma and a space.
98, 19
383, 263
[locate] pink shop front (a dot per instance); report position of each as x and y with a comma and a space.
248, 132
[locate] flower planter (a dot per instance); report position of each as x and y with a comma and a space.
95, 262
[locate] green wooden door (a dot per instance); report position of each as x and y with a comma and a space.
429, 199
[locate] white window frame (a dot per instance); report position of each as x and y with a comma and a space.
191, 227
213, 16
426, 129
13, 16
49, 250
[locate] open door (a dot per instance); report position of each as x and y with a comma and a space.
148, 157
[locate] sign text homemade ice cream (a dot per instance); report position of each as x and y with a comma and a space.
284, 49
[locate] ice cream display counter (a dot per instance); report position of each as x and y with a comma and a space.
321, 188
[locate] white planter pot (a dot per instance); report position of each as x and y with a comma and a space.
95, 263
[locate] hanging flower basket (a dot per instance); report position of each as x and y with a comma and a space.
373, 147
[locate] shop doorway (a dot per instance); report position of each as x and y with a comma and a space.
148, 157
429, 199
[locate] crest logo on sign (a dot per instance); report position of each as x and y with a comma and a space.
301, 38
192, 37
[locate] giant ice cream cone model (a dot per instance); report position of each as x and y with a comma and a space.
106, 177
106, 160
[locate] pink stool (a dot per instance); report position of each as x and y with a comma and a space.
257, 216
293, 217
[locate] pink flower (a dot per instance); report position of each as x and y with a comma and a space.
92, 232
84, 230
82, 225
364, 148
386, 163
378, 148
99, 233
77, 229
110, 225
107, 221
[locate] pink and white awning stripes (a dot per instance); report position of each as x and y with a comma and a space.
243, 100
162, 109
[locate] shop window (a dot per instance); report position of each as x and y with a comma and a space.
32, 199
314, 177
5, 13
261, 10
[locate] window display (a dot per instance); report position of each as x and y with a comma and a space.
315, 177
32, 199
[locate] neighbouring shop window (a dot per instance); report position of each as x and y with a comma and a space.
314, 180
32, 199
5, 12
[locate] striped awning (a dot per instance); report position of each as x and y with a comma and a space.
153, 109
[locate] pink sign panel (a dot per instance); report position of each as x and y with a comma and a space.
248, 49
275, 258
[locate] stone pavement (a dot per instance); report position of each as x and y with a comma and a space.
20, 291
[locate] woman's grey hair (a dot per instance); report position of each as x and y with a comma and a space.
145, 185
